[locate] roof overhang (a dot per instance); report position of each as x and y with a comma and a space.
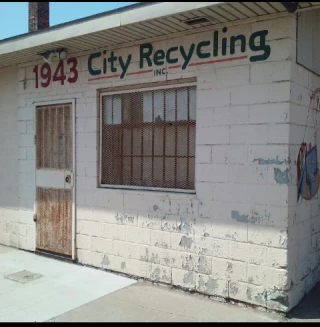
134, 24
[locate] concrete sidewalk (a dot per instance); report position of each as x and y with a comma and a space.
144, 302
58, 291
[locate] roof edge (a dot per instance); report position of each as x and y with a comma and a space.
81, 20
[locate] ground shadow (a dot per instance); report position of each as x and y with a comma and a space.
309, 307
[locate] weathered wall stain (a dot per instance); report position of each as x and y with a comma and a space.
188, 262
269, 161
105, 260
240, 218
255, 218
279, 296
186, 242
188, 278
202, 266
281, 177
183, 226
208, 287
233, 289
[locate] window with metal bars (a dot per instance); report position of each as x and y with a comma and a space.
147, 138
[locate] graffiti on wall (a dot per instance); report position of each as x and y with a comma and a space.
308, 175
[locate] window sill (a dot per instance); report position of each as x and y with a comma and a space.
149, 190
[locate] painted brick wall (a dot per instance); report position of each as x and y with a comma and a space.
230, 239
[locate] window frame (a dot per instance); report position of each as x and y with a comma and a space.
140, 88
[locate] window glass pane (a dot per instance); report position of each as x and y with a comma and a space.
158, 105
127, 171
127, 141
107, 110
182, 140
136, 141
147, 171
170, 141
117, 110
170, 105
192, 104
169, 172
181, 172
158, 141
126, 108
192, 140
158, 172
147, 139
191, 173
147, 107
136, 171
182, 104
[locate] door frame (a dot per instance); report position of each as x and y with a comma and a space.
73, 110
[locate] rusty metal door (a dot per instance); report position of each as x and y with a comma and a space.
55, 179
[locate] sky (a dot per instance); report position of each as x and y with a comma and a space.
14, 15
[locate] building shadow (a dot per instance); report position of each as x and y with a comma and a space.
308, 308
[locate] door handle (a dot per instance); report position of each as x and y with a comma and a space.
68, 179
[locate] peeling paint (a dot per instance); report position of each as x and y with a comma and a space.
261, 298
183, 226
279, 296
240, 218
211, 285
123, 265
166, 278
187, 262
269, 161
154, 258
233, 289
161, 245
155, 207
188, 278
146, 257
105, 260
201, 282
229, 267
186, 242
120, 219
156, 274
249, 293
281, 177
203, 266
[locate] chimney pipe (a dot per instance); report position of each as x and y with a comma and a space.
38, 16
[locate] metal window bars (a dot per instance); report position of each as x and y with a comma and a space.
148, 138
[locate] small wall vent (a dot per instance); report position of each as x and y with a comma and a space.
196, 21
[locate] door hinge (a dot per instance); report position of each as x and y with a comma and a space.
35, 140
35, 217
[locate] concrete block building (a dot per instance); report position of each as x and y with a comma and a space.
161, 140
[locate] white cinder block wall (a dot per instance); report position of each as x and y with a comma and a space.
9, 195
235, 237
304, 216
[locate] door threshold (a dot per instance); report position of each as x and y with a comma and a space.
52, 255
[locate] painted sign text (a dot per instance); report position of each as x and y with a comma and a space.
58, 75
118, 66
